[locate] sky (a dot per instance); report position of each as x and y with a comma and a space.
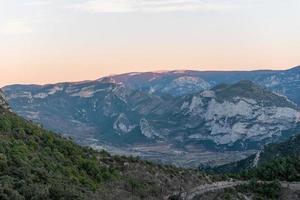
47, 41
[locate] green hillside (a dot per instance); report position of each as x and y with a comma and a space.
275, 162
278, 161
274, 151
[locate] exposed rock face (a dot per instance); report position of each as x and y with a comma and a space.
122, 125
105, 111
147, 130
232, 113
3, 102
185, 84
228, 122
180, 109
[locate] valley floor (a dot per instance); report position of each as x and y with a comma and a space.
190, 157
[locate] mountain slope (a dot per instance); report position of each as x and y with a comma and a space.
269, 154
92, 109
240, 116
243, 111
177, 83
113, 112
285, 82
38, 164
182, 82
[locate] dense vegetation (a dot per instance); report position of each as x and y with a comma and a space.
262, 190
274, 155
259, 190
276, 162
284, 169
291, 147
36, 164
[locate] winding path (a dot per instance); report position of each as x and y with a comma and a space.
210, 188
202, 189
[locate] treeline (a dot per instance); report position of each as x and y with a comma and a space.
284, 169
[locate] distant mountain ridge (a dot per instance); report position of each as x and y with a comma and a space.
182, 82
240, 116
39, 164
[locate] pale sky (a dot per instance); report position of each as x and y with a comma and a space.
46, 41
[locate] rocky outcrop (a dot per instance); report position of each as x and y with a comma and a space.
238, 112
3, 102
123, 125
147, 130
224, 115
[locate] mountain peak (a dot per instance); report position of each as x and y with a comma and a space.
250, 90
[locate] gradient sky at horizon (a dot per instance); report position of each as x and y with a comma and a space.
47, 41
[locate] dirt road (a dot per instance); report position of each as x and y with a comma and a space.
202, 189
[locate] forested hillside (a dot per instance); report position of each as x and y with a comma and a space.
38, 164
275, 162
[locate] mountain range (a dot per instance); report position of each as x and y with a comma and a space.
177, 83
39, 164
160, 115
